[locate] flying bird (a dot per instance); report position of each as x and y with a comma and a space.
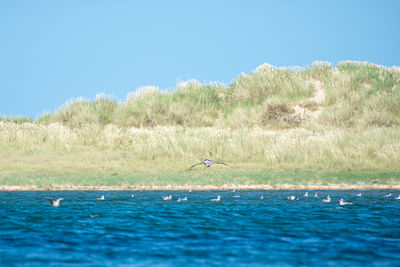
54, 203
207, 163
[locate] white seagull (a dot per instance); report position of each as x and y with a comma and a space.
182, 199
327, 199
100, 198
397, 197
359, 194
306, 194
216, 199
132, 196
388, 195
54, 203
293, 198
167, 198
262, 197
342, 202
316, 194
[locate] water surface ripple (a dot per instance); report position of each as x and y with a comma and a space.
245, 231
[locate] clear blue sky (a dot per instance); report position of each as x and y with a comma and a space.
51, 51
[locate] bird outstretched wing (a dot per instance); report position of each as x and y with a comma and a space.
215, 162
195, 165
58, 200
48, 199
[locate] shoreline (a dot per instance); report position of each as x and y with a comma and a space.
201, 188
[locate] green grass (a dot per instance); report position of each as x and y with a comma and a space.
265, 124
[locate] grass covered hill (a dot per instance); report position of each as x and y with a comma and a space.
279, 121
354, 94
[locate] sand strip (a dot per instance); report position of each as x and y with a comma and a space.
204, 187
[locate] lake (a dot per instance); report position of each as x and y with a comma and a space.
244, 231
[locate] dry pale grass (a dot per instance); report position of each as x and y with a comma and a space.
173, 148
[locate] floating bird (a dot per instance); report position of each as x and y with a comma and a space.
388, 195
132, 196
236, 196
167, 198
54, 203
316, 194
233, 190
216, 199
306, 194
262, 197
359, 194
293, 198
100, 198
342, 202
182, 199
208, 163
397, 197
327, 199
190, 190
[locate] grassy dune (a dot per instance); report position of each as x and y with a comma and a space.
316, 125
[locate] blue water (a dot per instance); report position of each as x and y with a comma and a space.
245, 231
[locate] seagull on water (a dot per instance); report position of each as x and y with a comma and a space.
388, 195
54, 203
262, 197
293, 198
132, 196
359, 194
207, 163
327, 199
316, 194
236, 196
100, 198
397, 197
342, 202
306, 194
167, 198
216, 199
182, 199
